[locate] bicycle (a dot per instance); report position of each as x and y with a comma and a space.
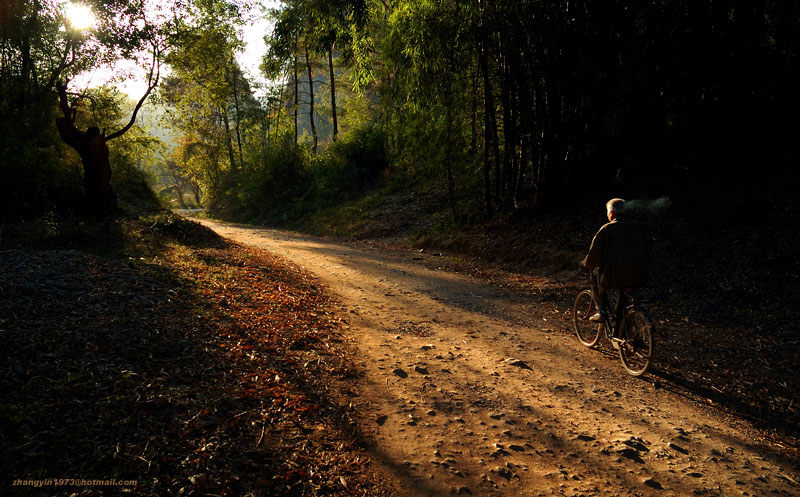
632, 335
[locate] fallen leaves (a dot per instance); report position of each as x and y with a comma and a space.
194, 370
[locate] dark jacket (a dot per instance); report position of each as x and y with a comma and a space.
619, 250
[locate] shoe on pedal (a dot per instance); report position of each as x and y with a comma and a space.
599, 316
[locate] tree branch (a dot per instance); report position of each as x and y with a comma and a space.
63, 103
66, 125
61, 66
152, 82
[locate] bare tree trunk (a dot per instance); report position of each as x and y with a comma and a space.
228, 139
25, 73
520, 176
311, 102
449, 154
509, 141
474, 115
542, 135
527, 124
296, 91
238, 111
492, 135
196, 192
333, 92
266, 127
277, 126
92, 144
487, 126
179, 181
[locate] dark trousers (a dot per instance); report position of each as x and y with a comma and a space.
599, 290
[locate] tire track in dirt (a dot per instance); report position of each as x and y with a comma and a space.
467, 392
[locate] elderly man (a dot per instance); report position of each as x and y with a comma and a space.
618, 256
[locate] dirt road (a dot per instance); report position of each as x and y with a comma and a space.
468, 390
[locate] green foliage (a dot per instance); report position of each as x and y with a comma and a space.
264, 192
130, 155
34, 179
585, 97
500, 105
348, 167
132, 186
210, 103
290, 183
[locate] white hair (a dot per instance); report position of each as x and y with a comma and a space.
615, 205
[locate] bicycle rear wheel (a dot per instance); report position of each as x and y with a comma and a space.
588, 331
636, 348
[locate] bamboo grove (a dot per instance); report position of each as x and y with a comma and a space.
514, 103
534, 99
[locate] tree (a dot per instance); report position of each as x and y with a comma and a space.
42, 51
92, 146
311, 101
36, 49
282, 53
314, 29
333, 25
567, 97
579, 96
210, 101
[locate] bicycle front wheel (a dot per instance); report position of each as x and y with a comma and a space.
636, 348
588, 331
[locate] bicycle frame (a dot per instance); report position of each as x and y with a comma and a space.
613, 322
627, 326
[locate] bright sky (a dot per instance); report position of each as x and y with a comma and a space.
255, 49
253, 32
79, 16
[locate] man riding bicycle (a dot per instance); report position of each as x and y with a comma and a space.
617, 256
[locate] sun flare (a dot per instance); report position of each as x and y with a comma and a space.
79, 16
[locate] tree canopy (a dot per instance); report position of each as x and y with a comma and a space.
513, 103
42, 51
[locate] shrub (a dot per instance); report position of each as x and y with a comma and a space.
132, 187
348, 167
289, 184
37, 180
